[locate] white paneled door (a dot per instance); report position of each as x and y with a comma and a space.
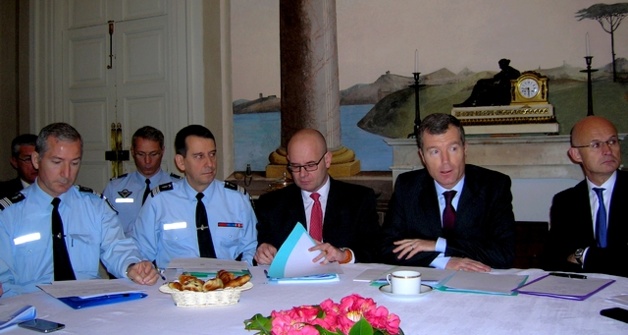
117, 68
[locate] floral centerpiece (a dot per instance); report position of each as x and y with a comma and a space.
354, 315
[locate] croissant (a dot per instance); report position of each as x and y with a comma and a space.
212, 284
175, 286
239, 281
183, 279
225, 276
195, 285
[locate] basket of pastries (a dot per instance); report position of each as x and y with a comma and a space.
190, 291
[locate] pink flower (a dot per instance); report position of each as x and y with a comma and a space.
331, 316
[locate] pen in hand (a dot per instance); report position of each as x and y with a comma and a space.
160, 272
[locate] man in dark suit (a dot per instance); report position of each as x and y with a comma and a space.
589, 222
350, 228
449, 215
22, 148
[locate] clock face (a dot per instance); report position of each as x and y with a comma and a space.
528, 88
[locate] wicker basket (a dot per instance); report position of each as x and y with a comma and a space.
220, 297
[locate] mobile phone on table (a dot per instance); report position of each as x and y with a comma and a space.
616, 313
41, 325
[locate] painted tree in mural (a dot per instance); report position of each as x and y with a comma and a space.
609, 17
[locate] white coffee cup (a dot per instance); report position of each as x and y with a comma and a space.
404, 282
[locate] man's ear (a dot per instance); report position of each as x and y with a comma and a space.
35, 160
421, 157
13, 162
179, 160
574, 154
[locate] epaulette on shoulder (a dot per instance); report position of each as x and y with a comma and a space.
118, 177
8, 201
175, 176
231, 186
88, 190
161, 188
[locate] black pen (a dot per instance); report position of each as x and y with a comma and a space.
568, 275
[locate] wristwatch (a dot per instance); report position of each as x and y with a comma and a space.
579, 254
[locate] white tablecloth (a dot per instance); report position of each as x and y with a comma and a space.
434, 313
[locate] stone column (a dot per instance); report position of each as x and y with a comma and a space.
310, 97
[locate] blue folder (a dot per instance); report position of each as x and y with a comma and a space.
78, 302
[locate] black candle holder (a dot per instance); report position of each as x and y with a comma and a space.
417, 108
588, 71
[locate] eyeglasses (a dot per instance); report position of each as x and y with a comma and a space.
597, 145
26, 160
309, 167
152, 155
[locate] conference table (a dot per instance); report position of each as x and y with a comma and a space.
436, 312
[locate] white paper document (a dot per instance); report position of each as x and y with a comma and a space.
480, 282
87, 288
295, 260
207, 264
12, 315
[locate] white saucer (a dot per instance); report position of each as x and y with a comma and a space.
386, 289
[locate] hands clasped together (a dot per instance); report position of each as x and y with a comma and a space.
407, 248
143, 273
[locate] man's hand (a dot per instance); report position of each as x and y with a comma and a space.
329, 253
143, 273
466, 264
265, 254
411, 247
572, 259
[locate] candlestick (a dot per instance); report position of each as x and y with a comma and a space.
416, 60
588, 71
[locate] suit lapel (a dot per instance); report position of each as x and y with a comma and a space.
427, 209
295, 207
617, 230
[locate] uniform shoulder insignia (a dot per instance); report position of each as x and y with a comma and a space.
235, 187
161, 188
118, 177
8, 201
175, 176
88, 190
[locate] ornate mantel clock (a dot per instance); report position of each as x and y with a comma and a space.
529, 88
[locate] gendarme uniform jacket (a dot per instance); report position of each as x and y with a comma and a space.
92, 233
166, 225
125, 193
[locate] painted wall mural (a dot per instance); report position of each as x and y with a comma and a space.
457, 43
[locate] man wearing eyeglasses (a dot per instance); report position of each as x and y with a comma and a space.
347, 228
588, 230
129, 191
22, 148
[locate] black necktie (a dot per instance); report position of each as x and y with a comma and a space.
205, 243
146, 190
61, 259
449, 213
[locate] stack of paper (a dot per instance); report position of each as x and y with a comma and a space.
10, 317
293, 262
484, 283
564, 287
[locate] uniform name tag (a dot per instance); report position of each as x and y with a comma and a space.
175, 225
230, 224
27, 238
124, 200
